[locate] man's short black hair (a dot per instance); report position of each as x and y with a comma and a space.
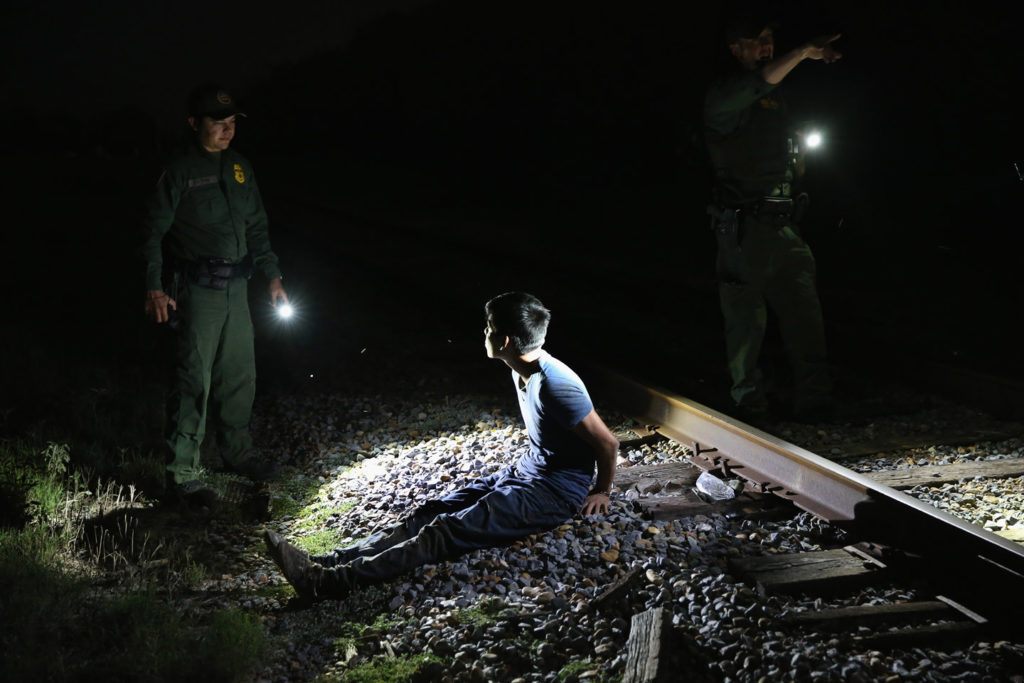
521, 317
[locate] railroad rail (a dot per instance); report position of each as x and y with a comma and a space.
984, 567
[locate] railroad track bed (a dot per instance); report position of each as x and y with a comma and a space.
667, 579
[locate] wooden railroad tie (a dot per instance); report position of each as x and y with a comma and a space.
934, 475
961, 624
656, 652
813, 573
676, 480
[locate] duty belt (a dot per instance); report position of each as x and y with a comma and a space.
774, 211
215, 272
773, 206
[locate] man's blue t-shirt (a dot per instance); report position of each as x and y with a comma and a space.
554, 401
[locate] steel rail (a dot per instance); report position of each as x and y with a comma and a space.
814, 483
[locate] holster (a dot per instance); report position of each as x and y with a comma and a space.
725, 222
774, 211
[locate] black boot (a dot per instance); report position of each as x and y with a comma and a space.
308, 578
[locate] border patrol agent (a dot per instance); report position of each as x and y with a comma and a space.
205, 232
762, 260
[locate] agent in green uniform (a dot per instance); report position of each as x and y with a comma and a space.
762, 260
205, 231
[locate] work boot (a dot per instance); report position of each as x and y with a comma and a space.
308, 579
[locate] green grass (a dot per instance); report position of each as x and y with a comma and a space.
316, 538
53, 627
352, 632
319, 542
33, 477
194, 573
291, 496
422, 667
73, 423
314, 516
483, 613
574, 669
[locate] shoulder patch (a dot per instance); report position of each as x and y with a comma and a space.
239, 173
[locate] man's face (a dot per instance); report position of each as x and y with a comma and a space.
753, 51
493, 341
215, 135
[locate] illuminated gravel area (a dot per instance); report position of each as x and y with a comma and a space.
995, 504
523, 613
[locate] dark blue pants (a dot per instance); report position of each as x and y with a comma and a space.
491, 512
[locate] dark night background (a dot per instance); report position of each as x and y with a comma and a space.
418, 157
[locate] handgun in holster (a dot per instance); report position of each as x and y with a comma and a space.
725, 222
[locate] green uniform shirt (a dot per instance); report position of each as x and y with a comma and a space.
748, 137
208, 205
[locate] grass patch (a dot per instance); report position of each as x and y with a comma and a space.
34, 480
573, 670
423, 667
483, 613
193, 573
291, 496
279, 592
313, 517
317, 514
317, 538
319, 542
352, 632
53, 626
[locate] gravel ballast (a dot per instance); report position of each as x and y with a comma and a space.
524, 612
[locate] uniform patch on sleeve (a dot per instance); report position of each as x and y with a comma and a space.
239, 173
202, 182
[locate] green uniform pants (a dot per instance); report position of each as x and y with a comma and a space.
772, 266
215, 376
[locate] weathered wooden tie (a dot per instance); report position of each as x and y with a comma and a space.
934, 475
813, 573
656, 652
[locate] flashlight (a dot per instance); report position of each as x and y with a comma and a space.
813, 139
285, 311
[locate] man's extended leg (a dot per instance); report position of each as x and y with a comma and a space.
411, 525
515, 509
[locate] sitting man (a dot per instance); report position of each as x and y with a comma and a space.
538, 492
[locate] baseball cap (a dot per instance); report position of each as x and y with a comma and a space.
747, 28
213, 101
